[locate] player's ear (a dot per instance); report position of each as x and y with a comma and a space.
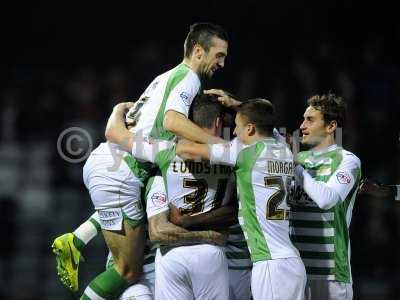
198, 51
332, 126
218, 122
251, 129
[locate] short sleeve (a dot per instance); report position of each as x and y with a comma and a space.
225, 154
156, 197
346, 176
146, 149
182, 95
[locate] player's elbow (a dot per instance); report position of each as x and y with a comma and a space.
110, 134
329, 201
170, 121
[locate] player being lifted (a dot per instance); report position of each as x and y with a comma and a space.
185, 272
161, 112
327, 181
264, 171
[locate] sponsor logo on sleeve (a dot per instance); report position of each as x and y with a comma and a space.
159, 199
185, 98
343, 177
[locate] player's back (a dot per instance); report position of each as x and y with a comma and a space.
195, 186
172, 90
264, 173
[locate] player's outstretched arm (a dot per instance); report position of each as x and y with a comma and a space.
378, 190
116, 131
224, 97
190, 150
162, 231
181, 126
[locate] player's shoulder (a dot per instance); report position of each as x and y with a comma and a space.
277, 148
191, 78
184, 77
350, 158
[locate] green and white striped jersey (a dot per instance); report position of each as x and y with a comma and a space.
322, 236
173, 90
264, 172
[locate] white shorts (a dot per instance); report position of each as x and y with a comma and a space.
114, 189
328, 290
239, 284
192, 272
138, 291
283, 279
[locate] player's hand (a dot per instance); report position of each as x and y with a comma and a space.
177, 218
217, 238
123, 107
223, 97
372, 188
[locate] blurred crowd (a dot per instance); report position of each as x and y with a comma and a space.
42, 195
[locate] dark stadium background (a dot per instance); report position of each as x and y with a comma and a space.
66, 64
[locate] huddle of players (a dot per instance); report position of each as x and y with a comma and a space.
191, 199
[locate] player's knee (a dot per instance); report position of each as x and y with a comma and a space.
130, 273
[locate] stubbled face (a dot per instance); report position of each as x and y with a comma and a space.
313, 128
214, 59
241, 128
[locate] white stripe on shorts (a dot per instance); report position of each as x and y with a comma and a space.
92, 294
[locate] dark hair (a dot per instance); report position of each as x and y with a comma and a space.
202, 33
333, 108
205, 110
260, 112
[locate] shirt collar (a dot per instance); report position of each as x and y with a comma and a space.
324, 150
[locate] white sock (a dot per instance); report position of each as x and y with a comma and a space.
87, 230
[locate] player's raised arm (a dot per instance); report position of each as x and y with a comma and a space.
116, 131
225, 98
191, 150
223, 153
180, 125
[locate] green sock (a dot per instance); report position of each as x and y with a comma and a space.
78, 243
95, 223
107, 285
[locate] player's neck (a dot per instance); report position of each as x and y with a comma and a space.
325, 143
256, 137
192, 64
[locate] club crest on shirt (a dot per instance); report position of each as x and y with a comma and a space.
343, 177
185, 98
159, 199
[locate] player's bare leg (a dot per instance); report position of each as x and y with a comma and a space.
127, 247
